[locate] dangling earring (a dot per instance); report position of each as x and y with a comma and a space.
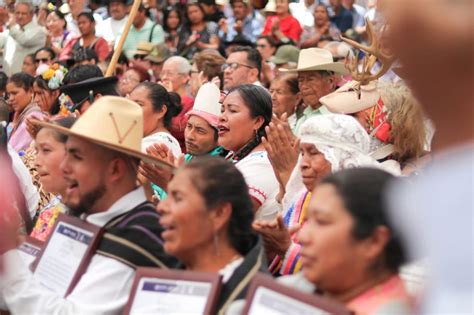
256, 134
216, 244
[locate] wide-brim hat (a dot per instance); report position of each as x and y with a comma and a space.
77, 92
143, 48
158, 54
317, 59
285, 54
352, 98
207, 105
113, 122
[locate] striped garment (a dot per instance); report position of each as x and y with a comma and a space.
134, 238
290, 263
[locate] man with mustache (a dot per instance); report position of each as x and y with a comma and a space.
201, 129
103, 151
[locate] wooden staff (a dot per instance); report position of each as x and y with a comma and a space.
113, 63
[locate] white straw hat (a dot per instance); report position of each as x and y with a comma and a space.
317, 59
112, 122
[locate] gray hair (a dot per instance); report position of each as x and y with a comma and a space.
31, 7
182, 64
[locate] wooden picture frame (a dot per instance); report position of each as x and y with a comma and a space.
181, 278
288, 300
30, 249
65, 229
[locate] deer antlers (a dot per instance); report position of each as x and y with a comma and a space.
373, 52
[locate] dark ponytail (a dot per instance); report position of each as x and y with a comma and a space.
159, 97
220, 182
259, 102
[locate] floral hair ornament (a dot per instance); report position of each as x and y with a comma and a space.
53, 74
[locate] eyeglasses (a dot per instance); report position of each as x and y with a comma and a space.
234, 66
39, 60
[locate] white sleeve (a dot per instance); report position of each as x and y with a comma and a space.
103, 289
29, 190
259, 175
164, 138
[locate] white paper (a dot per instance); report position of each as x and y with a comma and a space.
166, 296
28, 252
62, 257
269, 302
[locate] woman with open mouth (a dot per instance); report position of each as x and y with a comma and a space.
207, 220
246, 111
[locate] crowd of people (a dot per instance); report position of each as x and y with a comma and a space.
312, 141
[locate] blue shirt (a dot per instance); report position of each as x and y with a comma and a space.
252, 28
343, 20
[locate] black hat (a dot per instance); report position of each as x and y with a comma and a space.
80, 91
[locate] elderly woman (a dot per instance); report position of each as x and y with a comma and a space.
399, 133
207, 220
20, 90
286, 97
328, 143
246, 111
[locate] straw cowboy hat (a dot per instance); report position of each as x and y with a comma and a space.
352, 98
317, 59
207, 105
143, 49
112, 122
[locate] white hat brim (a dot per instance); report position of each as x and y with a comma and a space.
336, 67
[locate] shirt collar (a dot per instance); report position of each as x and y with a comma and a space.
29, 25
123, 205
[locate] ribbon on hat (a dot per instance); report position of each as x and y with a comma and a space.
378, 124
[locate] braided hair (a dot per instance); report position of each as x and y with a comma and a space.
259, 102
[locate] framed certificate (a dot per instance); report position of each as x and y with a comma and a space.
30, 249
159, 291
66, 254
266, 296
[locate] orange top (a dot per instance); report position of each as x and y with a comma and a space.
390, 291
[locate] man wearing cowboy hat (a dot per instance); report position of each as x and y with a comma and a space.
316, 78
100, 166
